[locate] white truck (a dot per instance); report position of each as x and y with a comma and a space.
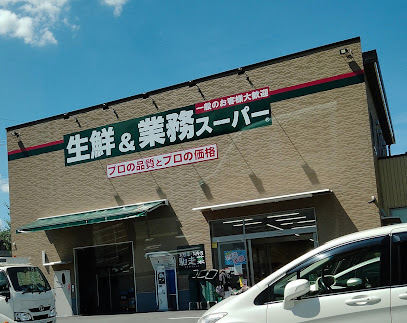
25, 294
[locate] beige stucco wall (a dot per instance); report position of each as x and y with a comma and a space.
317, 141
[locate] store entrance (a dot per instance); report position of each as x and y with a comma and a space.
252, 260
270, 254
233, 257
253, 247
105, 279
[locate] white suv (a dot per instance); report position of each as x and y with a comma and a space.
361, 277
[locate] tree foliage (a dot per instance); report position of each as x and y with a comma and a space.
5, 234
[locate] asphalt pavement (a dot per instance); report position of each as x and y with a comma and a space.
154, 317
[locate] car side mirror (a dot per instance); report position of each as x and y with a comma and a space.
354, 282
293, 290
5, 293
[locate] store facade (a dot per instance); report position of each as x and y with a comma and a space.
123, 203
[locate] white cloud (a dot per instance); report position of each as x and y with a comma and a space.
34, 21
116, 4
4, 185
30, 20
13, 26
70, 25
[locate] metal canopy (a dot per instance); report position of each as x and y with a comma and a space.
262, 201
92, 217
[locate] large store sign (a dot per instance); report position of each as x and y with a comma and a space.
208, 119
178, 158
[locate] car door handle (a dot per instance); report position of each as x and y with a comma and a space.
403, 296
363, 300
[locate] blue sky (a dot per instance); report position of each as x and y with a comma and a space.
61, 55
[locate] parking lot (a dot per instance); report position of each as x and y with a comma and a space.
154, 317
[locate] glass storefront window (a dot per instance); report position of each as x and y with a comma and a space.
298, 219
227, 227
270, 254
252, 247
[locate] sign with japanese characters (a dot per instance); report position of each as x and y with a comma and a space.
232, 100
227, 115
191, 257
172, 159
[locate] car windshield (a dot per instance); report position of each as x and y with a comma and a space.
28, 279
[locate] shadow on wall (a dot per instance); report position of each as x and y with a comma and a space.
332, 219
64, 240
119, 200
354, 66
206, 190
257, 182
311, 174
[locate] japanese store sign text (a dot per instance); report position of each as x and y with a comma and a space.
178, 158
232, 100
168, 128
191, 259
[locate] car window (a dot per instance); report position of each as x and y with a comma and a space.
28, 279
3, 281
399, 259
357, 266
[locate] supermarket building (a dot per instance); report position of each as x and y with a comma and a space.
244, 170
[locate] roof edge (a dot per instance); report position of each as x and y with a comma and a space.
187, 83
272, 199
375, 81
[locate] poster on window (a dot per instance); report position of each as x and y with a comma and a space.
235, 257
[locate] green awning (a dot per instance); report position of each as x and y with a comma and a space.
91, 217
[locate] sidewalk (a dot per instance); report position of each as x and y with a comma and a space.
153, 317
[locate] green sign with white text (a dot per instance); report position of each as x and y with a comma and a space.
168, 128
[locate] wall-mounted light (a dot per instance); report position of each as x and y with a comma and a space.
16, 134
346, 52
105, 106
193, 83
372, 199
241, 71
155, 104
66, 116
146, 96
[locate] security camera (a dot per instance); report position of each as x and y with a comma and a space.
373, 199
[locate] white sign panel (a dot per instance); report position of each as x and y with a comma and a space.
177, 158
